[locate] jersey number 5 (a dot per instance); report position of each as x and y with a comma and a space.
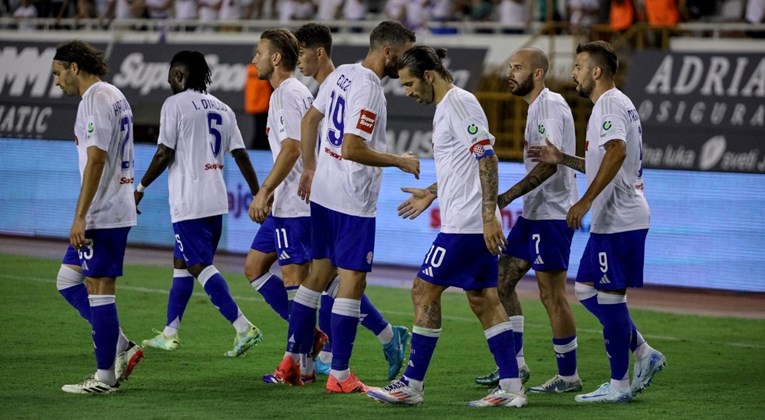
214, 121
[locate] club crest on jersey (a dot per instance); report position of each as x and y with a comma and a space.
472, 129
541, 128
607, 125
367, 121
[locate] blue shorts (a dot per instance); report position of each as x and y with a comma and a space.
348, 241
105, 254
613, 261
460, 260
264, 240
197, 240
545, 243
288, 237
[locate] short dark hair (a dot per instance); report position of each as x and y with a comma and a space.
602, 53
86, 56
422, 58
285, 43
199, 73
391, 33
314, 35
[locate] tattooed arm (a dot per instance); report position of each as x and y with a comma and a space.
552, 155
533, 179
492, 228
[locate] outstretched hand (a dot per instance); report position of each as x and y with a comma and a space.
546, 154
419, 200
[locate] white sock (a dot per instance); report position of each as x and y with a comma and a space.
414, 383
122, 342
511, 385
325, 357
242, 324
340, 375
621, 385
107, 376
386, 335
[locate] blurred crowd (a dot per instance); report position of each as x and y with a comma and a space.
513, 15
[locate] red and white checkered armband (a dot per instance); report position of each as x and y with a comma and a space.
482, 149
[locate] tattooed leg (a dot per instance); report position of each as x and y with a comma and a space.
511, 271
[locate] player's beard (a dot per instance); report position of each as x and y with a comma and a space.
265, 74
523, 88
585, 90
391, 69
429, 94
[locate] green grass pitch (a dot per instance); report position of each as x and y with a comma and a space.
716, 365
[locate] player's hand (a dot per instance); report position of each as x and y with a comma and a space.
259, 206
493, 236
410, 163
547, 154
304, 187
577, 212
77, 234
138, 196
420, 200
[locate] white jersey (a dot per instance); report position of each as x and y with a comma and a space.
550, 118
201, 129
105, 120
621, 206
459, 126
353, 102
288, 103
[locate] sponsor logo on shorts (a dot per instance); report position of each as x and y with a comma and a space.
370, 256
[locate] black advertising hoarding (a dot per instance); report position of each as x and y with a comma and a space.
140, 71
31, 106
700, 111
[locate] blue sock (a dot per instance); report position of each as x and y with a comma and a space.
302, 321
325, 318
217, 289
272, 289
180, 293
106, 329
635, 339
77, 296
565, 355
424, 342
291, 291
501, 345
371, 318
345, 323
616, 333
592, 305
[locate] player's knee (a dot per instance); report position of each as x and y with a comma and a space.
196, 269
68, 277
584, 291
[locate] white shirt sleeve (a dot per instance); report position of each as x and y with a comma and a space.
168, 125
363, 108
100, 122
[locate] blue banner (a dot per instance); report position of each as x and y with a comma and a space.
707, 229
